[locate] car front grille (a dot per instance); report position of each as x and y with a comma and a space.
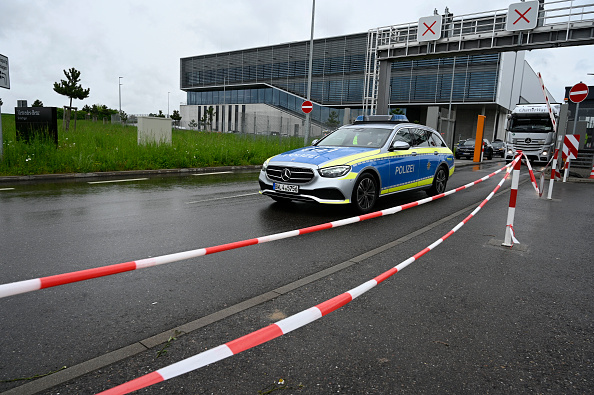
295, 175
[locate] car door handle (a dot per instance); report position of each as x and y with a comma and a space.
435, 153
414, 153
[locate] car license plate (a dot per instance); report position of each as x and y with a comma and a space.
286, 188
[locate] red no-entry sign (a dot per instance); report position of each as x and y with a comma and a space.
307, 106
578, 92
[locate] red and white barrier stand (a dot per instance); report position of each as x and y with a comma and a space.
571, 142
510, 237
566, 172
553, 174
592, 172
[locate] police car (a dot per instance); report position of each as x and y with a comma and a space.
356, 164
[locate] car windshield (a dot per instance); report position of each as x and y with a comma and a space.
497, 144
357, 136
469, 143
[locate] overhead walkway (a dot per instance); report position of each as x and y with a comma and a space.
557, 24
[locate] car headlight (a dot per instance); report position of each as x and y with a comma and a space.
335, 171
265, 165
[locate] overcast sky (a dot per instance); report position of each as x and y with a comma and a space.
143, 41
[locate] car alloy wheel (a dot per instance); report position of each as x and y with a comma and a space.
365, 193
439, 182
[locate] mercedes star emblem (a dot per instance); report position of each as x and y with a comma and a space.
286, 175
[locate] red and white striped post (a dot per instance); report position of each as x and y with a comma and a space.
553, 174
510, 238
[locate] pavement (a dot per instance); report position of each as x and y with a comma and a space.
470, 317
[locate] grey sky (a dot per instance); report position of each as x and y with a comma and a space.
143, 41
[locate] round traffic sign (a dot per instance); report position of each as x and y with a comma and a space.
578, 92
307, 106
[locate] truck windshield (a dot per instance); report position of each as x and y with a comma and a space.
535, 125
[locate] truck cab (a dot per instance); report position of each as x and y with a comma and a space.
530, 129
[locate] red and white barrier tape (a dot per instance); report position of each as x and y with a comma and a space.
286, 325
532, 178
36, 284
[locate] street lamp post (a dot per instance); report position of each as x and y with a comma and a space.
120, 92
168, 104
308, 115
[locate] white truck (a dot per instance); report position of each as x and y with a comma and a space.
530, 129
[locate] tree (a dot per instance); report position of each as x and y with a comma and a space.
176, 117
1, 102
208, 117
37, 103
397, 111
193, 124
159, 115
333, 121
72, 89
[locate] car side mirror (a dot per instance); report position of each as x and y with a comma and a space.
315, 142
399, 146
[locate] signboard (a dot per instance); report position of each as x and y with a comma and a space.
4, 76
571, 143
429, 28
522, 16
34, 122
307, 107
578, 92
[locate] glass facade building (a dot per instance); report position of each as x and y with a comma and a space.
337, 76
276, 76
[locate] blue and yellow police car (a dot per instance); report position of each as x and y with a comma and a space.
356, 164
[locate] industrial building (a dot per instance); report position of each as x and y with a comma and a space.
260, 90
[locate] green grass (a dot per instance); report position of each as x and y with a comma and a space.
95, 147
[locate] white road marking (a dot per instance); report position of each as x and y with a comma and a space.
222, 198
210, 174
111, 181
6, 189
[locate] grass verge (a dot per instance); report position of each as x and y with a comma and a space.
97, 147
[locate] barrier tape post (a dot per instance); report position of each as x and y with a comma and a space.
510, 237
553, 174
566, 172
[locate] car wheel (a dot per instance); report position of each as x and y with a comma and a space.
364, 193
440, 181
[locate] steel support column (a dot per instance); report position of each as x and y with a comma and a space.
383, 87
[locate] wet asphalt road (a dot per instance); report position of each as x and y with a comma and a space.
469, 318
